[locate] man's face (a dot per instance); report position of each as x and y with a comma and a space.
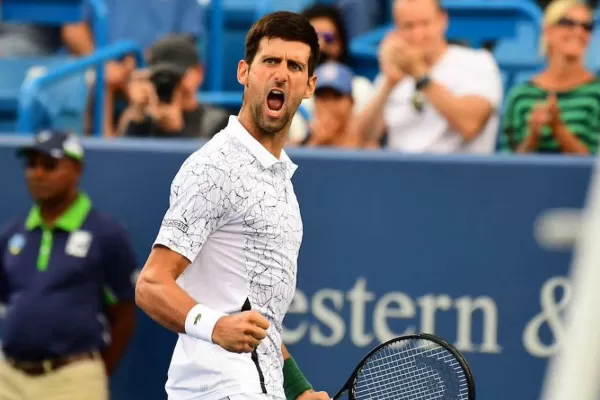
333, 103
49, 178
276, 83
421, 24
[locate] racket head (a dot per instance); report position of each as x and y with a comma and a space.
412, 367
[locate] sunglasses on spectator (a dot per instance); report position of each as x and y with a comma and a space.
328, 37
47, 163
571, 23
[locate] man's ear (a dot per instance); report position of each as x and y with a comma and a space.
310, 89
242, 72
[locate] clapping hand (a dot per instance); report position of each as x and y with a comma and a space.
387, 57
545, 113
410, 59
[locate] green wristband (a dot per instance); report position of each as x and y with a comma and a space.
294, 381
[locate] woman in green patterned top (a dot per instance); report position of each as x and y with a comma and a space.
558, 111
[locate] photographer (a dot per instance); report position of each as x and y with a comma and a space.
163, 99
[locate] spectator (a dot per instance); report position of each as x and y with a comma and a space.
55, 266
333, 45
154, 19
333, 107
164, 99
432, 97
558, 111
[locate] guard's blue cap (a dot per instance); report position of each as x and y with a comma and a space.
55, 144
336, 76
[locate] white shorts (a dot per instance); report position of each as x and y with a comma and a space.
250, 396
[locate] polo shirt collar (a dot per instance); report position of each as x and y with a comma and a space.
264, 157
69, 221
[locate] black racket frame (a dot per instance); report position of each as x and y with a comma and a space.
349, 385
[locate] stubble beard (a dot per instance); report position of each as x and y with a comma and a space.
266, 126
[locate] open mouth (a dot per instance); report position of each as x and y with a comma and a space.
275, 100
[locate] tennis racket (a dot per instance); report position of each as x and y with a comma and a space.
414, 367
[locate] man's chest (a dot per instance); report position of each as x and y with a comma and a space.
269, 216
38, 260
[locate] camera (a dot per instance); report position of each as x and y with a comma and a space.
165, 79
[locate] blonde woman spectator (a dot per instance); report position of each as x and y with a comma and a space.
558, 111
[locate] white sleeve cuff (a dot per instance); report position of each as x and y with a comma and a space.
201, 321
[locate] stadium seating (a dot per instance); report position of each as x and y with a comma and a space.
14, 71
65, 102
514, 26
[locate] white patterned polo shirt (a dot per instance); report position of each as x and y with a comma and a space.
233, 213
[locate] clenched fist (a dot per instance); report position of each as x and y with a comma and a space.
240, 333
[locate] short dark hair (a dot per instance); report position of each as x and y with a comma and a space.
285, 25
179, 50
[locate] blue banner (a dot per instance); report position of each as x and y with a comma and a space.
392, 245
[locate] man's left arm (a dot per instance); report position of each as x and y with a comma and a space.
119, 294
468, 109
295, 384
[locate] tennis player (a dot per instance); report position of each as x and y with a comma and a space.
222, 272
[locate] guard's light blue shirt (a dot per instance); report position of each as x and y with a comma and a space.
56, 282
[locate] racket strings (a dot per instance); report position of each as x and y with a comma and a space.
412, 370
413, 382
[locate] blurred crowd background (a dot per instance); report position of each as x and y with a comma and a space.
508, 76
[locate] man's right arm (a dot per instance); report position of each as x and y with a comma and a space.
200, 201
158, 294
369, 124
164, 301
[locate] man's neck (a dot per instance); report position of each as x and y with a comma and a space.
51, 210
272, 142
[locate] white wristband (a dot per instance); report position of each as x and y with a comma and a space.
201, 321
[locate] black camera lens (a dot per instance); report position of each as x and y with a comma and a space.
165, 80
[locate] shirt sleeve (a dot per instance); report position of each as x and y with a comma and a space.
119, 267
481, 77
200, 202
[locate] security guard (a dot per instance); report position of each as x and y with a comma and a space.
64, 268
